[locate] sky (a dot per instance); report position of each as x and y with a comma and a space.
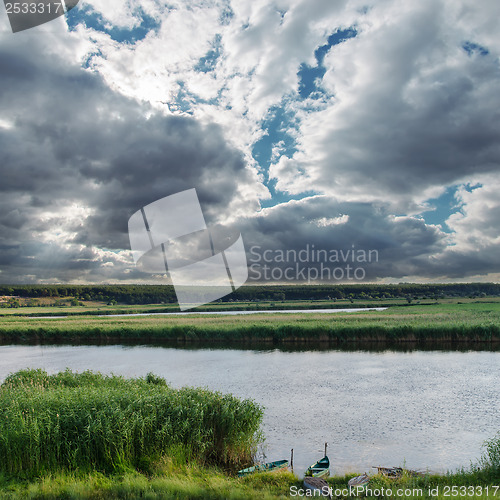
334, 125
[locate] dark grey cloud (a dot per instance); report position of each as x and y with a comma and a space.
68, 140
400, 246
406, 247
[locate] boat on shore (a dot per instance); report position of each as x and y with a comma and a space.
396, 472
317, 484
267, 467
359, 481
320, 469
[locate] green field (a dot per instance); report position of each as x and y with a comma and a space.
452, 321
111, 443
53, 307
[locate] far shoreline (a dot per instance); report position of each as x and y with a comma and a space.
455, 323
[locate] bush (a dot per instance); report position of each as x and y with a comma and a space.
491, 457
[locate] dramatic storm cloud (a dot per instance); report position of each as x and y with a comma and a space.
78, 159
340, 125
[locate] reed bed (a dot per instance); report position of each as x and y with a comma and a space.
90, 421
444, 322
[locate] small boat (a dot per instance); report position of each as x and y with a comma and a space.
390, 471
317, 484
320, 468
270, 466
359, 481
396, 472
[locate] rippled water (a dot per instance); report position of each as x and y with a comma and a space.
425, 409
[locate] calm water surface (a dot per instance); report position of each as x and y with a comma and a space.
425, 409
231, 313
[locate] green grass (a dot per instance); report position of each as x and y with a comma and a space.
169, 479
90, 422
453, 322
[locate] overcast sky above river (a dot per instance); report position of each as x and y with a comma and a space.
343, 124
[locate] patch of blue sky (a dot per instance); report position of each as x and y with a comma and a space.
471, 187
185, 100
474, 48
441, 208
278, 141
309, 79
92, 19
445, 205
277, 138
311, 76
208, 62
226, 15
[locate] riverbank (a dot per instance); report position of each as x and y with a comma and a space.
88, 435
186, 482
168, 479
424, 324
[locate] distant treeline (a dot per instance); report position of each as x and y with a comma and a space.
156, 294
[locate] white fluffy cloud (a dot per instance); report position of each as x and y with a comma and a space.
407, 110
260, 48
477, 224
410, 110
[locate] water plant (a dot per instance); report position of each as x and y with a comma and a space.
108, 423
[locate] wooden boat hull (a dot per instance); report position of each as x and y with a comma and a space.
317, 484
268, 467
320, 473
396, 472
359, 481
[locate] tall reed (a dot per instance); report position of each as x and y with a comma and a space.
99, 422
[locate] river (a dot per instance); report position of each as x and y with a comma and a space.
423, 409
230, 313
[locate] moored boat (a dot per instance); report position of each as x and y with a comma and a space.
320, 469
396, 472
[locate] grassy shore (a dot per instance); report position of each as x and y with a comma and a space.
82, 436
169, 478
173, 481
452, 322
